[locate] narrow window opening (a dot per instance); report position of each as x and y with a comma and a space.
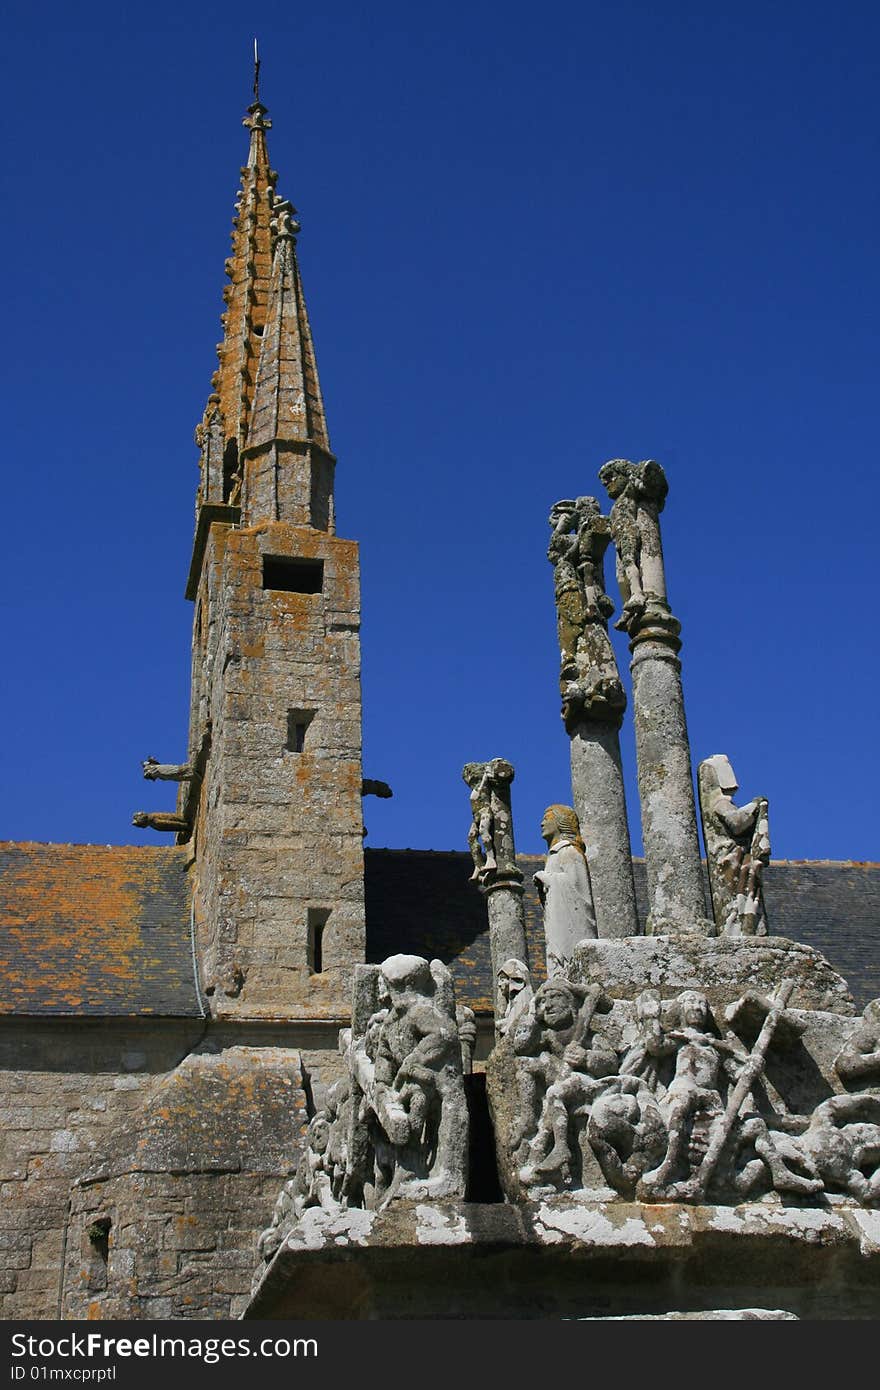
293, 576
298, 721
317, 922
99, 1237
96, 1254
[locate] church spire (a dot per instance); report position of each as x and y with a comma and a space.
288, 465
223, 431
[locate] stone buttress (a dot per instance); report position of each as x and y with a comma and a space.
274, 806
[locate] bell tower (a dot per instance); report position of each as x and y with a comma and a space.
273, 802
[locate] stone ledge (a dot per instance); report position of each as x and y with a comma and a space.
723, 967
569, 1258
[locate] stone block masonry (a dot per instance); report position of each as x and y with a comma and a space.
278, 835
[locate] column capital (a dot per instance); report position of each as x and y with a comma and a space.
655, 625
510, 880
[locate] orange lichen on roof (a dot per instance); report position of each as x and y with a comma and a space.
95, 929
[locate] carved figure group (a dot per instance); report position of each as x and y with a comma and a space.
396, 1127
589, 680
737, 840
682, 1111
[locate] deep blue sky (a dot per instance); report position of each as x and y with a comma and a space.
534, 238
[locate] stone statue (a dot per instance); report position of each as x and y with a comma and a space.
638, 492
515, 993
858, 1062
564, 888
408, 1071
395, 1126
737, 850
166, 772
589, 680
490, 838
559, 1060
692, 1100
161, 820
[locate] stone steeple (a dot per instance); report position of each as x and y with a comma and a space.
273, 803
288, 466
247, 297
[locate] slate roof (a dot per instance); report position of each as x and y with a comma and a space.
421, 901
103, 930
95, 930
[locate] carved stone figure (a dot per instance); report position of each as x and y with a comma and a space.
662, 1102
161, 820
408, 1072
691, 1105
490, 838
166, 772
515, 992
638, 492
716, 1134
858, 1062
564, 888
589, 680
395, 1126
559, 1060
737, 842
311, 1186
842, 1146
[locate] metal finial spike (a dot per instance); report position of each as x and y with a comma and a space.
256, 73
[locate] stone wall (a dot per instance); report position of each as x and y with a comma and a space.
67, 1089
145, 1157
278, 837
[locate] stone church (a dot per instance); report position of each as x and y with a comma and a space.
173, 1014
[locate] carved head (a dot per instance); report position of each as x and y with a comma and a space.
472, 773
587, 508
648, 1005
513, 978
562, 514
615, 475
652, 482
403, 973
318, 1133
870, 1013
693, 1008
718, 770
557, 1003
561, 822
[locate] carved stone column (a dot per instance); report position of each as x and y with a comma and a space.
593, 704
599, 799
495, 870
669, 821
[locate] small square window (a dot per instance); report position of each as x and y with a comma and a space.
292, 576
